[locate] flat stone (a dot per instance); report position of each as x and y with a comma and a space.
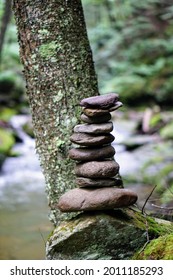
101, 119
86, 139
83, 182
88, 154
100, 101
95, 199
97, 169
94, 128
90, 112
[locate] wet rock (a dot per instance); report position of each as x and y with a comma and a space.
96, 199
97, 169
86, 139
94, 128
96, 183
101, 119
100, 101
87, 154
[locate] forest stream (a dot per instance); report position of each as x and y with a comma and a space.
23, 202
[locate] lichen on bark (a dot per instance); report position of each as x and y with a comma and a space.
59, 71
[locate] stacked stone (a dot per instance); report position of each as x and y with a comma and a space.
97, 173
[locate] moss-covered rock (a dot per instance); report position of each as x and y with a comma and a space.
159, 249
110, 235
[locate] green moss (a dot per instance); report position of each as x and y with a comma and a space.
158, 249
48, 50
156, 227
6, 141
7, 113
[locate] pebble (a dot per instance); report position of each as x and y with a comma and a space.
86, 139
94, 128
97, 169
87, 154
80, 199
100, 101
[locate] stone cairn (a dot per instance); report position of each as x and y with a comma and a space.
97, 173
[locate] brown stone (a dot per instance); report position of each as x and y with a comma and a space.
97, 169
100, 101
83, 182
96, 199
101, 119
86, 139
90, 112
88, 154
94, 128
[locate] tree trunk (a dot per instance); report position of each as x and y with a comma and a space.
4, 23
59, 72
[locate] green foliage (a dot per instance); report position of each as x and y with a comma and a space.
6, 114
6, 141
132, 42
167, 131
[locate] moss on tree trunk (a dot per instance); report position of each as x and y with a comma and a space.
59, 71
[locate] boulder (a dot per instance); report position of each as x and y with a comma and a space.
110, 235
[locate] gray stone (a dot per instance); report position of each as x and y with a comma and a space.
97, 169
94, 112
83, 182
110, 235
87, 154
101, 119
86, 139
94, 128
100, 101
96, 199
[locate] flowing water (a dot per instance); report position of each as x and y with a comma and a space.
24, 223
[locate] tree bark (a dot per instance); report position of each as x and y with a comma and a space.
59, 72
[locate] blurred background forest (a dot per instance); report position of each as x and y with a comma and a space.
132, 44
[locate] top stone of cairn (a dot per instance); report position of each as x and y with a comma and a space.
100, 101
